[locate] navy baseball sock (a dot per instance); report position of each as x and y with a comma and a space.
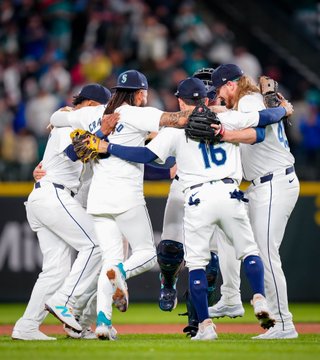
254, 271
199, 293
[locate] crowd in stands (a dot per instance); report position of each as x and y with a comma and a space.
49, 49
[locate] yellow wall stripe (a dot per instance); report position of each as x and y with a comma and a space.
151, 188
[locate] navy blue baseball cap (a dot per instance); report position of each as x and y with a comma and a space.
225, 73
191, 88
131, 79
95, 92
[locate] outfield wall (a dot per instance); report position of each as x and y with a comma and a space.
20, 257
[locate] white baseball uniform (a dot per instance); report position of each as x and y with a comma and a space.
272, 195
116, 198
61, 225
209, 174
174, 212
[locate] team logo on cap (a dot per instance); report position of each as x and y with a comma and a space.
124, 78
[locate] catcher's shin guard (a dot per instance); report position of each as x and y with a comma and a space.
170, 259
212, 271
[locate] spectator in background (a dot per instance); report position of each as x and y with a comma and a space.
310, 130
221, 47
152, 40
58, 14
26, 153
95, 66
248, 62
56, 79
38, 111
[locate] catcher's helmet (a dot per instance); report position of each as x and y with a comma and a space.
204, 74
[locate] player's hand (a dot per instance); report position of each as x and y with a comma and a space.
173, 171
38, 172
218, 108
109, 123
103, 147
286, 104
66, 108
219, 129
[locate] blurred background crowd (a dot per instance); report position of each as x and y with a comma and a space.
49, 49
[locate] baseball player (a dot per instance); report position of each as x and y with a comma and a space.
210, 175
84, 309
170, 252
273, 193
61, 224
116, 198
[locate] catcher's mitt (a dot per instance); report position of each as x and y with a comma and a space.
85, 145
269, 91
199, 125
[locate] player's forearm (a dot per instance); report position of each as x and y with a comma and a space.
175, 119
271, 116
246, 136
61, 119
130, 153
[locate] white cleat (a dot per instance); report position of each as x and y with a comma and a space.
276, 333
86, 333
220, 309
64, 314
262, 312
206, 332
120, 289
106, 332
30, 335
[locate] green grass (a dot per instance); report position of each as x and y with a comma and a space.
164, 346
151, 314
228, 346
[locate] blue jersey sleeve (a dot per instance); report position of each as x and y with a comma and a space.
271, 116
132, 153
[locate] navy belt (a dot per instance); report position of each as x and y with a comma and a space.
269, 177
59, 186
225, 180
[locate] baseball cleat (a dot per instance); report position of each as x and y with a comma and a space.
86, 333
64, 314
262, 312
104, 329
30, 335
106, 332
275, 333
207, 331
168, 299
120, 289
221, 310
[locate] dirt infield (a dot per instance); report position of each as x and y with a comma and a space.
302, 328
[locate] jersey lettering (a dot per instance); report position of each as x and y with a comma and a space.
94, 125
119, 127
282, 135
215, 155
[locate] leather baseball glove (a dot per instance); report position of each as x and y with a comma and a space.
269, 91
199, 125
86, 145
